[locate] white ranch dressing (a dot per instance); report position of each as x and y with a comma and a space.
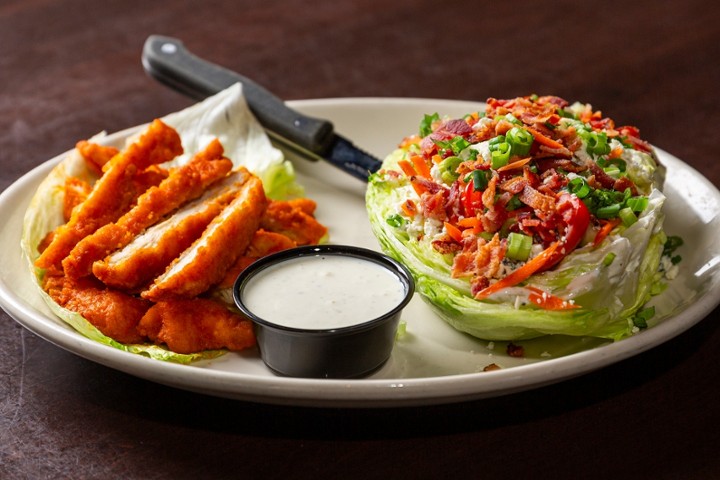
323, 292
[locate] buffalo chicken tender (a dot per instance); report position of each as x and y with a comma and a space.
262, 244
294, 219
194, 325
150, 253
114, 192
115, 313
184, 183
205, 263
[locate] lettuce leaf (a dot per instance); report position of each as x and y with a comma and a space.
225, 116
608, 294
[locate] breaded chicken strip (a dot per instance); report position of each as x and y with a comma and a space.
114, 191
150, 253
183, 184
262, 244
294, 219
194, 325
204, 264
97, 156
114, 313
76, 192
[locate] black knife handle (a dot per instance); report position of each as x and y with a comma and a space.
167, 60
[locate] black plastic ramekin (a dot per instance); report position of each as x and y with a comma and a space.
345, 352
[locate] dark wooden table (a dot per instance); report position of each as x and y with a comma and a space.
70, 68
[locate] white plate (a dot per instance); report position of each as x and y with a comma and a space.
432, 363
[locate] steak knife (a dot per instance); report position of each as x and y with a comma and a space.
167, 60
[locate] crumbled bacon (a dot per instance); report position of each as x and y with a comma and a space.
539, 201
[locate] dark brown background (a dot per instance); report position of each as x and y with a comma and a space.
70, 68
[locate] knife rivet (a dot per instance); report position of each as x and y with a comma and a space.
168, 48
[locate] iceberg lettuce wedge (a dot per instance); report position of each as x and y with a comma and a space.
605, 282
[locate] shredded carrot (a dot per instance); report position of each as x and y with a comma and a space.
616, 153
605, 230
409, 208
542, 139
420, 166
515, 165
548, 301
521, 274
409, 170
436, 159
454, 232
411, 140
470, 224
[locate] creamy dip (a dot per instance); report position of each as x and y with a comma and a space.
323, 292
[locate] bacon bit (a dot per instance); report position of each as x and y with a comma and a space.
538, 201
479, 259
433, 204
516, 351
453, 232
548, 301
420, 166
623, 183
446, 245
491, 367
555, 163
543, 140
514, 165
488, 196
605, 229
601, 177
514, 185
503, 126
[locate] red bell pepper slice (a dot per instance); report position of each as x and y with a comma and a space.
576, 217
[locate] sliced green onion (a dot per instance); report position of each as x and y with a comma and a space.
627, 216
637, 204
596, 142
641, 318
579, 187
509, 117
458, 144
487, 236
495, 141
610, 211
395, 220
518, 246
609, 259
520, 141
447, 169
514, 203
501, 155
672, 243
479, 179
613, 171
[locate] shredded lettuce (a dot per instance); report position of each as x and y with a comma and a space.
609, 293
225, 116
